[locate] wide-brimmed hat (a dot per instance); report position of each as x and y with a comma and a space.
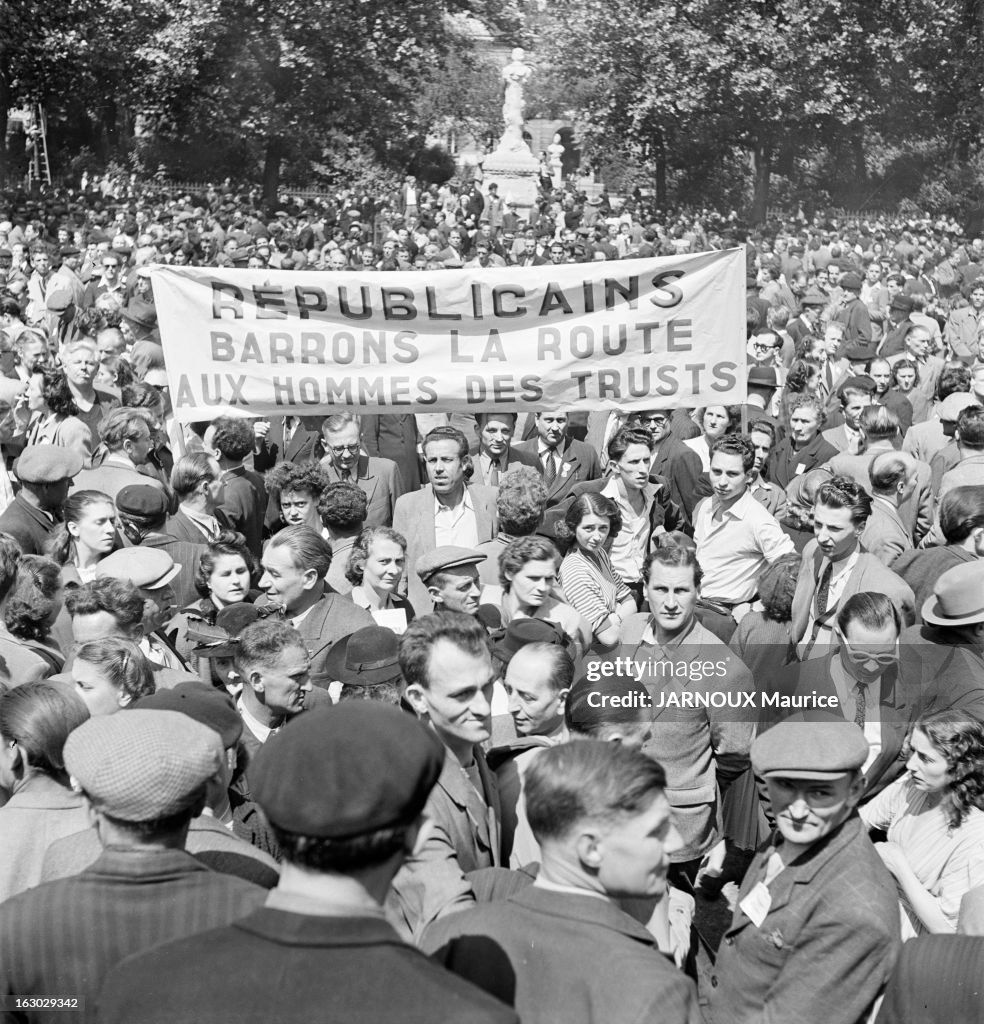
958, 597
367, 657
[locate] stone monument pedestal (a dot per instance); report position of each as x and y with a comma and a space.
516, 172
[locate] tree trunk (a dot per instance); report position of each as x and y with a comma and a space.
660, 145
762, 169
271, 172
857, 151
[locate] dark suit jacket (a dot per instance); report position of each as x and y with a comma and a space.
187, 554
514, 457
276, 965
827, 943
243, 502
131, 900
899, 706
681, 466
29, 526
784, 462
868, 574
664, 512
394, 436
305, 445
380, 481
937, 980
578, 463
180, 527
414, 518
564, 957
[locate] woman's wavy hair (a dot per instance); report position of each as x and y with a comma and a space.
592, 503
355, 568
223, 546
959, 738
55, 391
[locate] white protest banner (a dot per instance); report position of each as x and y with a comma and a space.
631, 334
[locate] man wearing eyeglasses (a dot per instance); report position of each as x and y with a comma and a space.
672, 459
111, 280
346, 462
859, 680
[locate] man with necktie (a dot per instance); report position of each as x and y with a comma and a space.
496, 456
563, 461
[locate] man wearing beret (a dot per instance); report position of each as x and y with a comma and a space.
344, 790
46, 472
816, 929
144, 775
853, 313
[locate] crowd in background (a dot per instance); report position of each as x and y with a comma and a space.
219, 641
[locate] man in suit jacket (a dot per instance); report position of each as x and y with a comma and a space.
962, 527
45, 472
817, 912
879, 425
561, 948
496, 455
847, 436
241, 496
672, 460
880, 372
320, 946
447, 664
144, 888
394, 436
379, 479
449, 510
564, 461
287, 439
834, 568
893, 479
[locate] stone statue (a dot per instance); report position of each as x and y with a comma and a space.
515, 74
556, 153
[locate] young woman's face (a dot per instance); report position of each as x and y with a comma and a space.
96, 528
96, 689
927, 765
906, 378
592, 532
532, 584
228, 582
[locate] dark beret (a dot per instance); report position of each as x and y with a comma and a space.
201, 702
347, 770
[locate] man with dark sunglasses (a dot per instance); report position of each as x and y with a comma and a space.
870, 677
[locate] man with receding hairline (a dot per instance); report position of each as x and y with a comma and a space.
561, 949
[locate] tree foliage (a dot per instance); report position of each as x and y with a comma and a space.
783, 81
268, 80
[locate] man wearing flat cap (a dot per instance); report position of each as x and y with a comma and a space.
46, 472
450, 575
853, 313
344, 790
212, 837
144, 775
816, 928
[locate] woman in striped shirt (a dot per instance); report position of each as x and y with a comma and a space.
591, 585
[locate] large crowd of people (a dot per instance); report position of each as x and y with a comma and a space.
394, 717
